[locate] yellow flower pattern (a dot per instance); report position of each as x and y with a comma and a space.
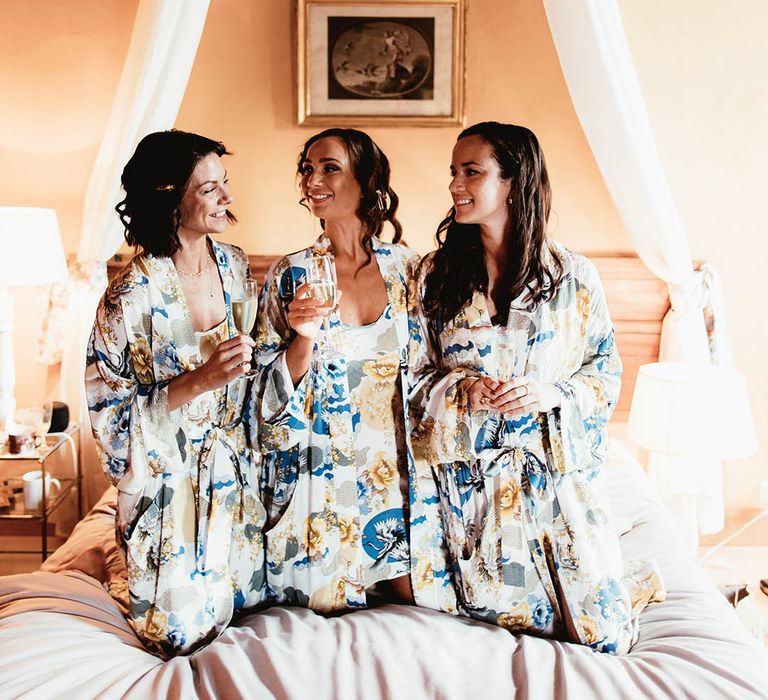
339, 444
522, 518
169, 466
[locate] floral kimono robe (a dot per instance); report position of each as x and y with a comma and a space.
189, 518
524, 527
312, 490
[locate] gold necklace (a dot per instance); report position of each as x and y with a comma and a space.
205, 266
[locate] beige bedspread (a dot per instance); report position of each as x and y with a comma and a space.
62, 635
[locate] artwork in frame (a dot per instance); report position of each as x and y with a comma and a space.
396, 62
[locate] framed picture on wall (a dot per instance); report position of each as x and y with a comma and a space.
392, 62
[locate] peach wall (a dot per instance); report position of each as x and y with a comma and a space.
62, 61
241, 91
59, 67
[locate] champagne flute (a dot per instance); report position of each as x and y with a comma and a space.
504, 353
321, 276
245, 305
518, 330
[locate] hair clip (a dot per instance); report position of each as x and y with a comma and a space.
165, 188
381, 201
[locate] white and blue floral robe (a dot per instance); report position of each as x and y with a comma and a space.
189, 516
524, 526
312, 489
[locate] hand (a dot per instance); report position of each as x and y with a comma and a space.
481, 393
305, 313
523, 395
231, 359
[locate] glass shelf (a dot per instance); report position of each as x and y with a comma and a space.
16, 521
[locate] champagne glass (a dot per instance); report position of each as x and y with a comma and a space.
37, 419
245, 305
504, 353
321, 276
517, 335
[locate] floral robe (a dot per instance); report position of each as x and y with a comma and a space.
525, 529
189, 517
315, 510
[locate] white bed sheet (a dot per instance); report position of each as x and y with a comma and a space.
62, 635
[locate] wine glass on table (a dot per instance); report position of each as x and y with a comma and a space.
245, 305
321, 276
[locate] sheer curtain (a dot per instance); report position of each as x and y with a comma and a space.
163, 45
598, 69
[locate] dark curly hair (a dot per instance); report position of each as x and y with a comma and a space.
371, 168
457, 269
154, 180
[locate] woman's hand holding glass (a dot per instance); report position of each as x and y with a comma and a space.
306, 313
230, 360
313, 303
509, 391
522, 395
321, 275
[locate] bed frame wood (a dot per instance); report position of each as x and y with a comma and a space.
637, 299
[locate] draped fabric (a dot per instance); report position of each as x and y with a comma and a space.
598, 69
163, 45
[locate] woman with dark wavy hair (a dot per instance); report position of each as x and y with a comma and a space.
345, 523
167, 399
513, 421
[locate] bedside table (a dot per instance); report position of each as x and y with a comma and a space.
58, 459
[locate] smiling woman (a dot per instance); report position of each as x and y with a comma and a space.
346, 525
168, 399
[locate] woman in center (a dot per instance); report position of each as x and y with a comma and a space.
348, 522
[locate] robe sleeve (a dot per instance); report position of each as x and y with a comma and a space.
132, 425
444, 428
578, 429
280, 406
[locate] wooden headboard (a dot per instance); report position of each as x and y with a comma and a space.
636, 297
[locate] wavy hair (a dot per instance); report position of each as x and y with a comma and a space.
372, 172
154, 180
457, 268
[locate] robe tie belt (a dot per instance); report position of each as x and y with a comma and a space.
217, 438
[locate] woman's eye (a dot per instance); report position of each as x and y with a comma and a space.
213, 189
471, 171
305, 170
331, 169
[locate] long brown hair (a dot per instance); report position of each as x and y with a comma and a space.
379, 201
457, 269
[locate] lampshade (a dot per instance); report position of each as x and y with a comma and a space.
693, 411
30, 247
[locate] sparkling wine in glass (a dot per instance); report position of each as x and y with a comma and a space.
321, 276
245, 305
504, 352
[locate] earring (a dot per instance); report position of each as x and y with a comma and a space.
381, 201
510, 200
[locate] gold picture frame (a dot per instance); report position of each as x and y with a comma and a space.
385, 63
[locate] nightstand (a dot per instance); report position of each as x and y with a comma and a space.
59, 459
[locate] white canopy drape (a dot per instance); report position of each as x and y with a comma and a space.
597, 65
163, 45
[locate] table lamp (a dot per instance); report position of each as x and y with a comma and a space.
689, 414
30, 254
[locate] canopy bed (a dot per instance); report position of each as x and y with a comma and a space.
63, 634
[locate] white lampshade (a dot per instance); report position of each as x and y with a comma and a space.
30, 247
693, 411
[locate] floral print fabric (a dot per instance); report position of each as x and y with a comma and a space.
373, 371
330, 456
526, 531
189, 515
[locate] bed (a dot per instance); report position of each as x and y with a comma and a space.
63, 634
